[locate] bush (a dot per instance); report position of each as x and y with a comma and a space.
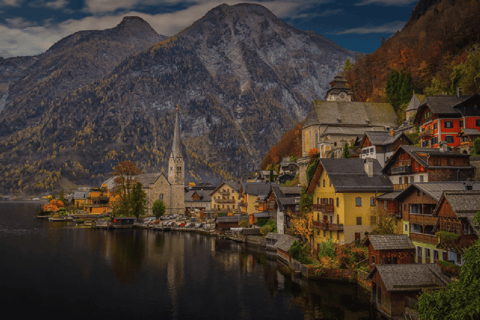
450, 269
299, 252
244, 224
327, 249
264, 230
261, 222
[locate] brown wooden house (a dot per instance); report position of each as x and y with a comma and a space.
393, 284
413, 164
224, 223
455, 212
389, 249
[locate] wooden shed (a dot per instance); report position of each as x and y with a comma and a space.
390, 249
392, 284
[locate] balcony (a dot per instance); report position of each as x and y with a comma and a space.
402, 169
99, 198
320, 225
225, 200
224, 192
335, 227
426, 134
324, 208
422, 219
466, 144
422, 237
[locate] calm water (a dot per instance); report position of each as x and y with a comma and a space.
54, 270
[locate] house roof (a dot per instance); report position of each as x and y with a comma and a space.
410, 277
80, 195
232, 184
435, 189
382, 138
442, 104
205, 195
421, 156
470, 132
285, 242
351, 113
257, 188
352, 131
390, 242
227, 219
464, 201
145, 179
348, 175
389, 195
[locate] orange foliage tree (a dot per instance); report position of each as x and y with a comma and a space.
125, 173
289, 145
302, 225
54, 205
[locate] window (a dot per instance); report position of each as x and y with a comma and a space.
434, 140
374, 259
435, 255
358, 202
338, 202
405, 207
435, 126
372, 202
419, 254
400, 180
448, 124
418, 193
427, 253
421, 178
461, 123
477, 122
449, 139
324, 183
412, 179
160, 196
444, 256
359, 221
405, 227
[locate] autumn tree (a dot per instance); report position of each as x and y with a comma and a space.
384, 222
124, 174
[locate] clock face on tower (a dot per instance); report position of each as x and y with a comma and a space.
342, 95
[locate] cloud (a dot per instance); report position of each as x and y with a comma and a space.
386, 2
390, 27
311, 15
31, 38
11, 3
55, 5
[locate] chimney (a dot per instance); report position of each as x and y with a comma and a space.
459, 92
443, 146
368, 163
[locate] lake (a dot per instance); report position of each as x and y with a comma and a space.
53, 270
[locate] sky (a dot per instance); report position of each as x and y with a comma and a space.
30, 27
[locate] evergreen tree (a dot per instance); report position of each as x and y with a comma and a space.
399, 87
346, 152
158, 208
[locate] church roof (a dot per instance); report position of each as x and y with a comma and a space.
339, 86
344, 113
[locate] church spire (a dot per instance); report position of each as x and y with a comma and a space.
176, 147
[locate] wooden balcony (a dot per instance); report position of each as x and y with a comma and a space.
320, 225
466, 144
426, 238
225, 200
422, 219
335, 227
401, 170
426, 134
324, 208
464, 241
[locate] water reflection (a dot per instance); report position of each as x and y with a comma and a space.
143, 273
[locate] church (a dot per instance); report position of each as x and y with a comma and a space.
169, 188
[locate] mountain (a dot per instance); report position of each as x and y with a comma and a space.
240, 77
69, 64
438, 37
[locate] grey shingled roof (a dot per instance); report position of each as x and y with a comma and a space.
435, 189
410, 277
391, 242
471, 132
257, 188
339, 130
389, 195
465, 201
233, 184
351, 113
442, 104
226, 219
204, 195
348, 175
382, 138
285, 242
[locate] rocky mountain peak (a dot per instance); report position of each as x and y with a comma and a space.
136, 25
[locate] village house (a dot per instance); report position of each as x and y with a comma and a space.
224, 223
407, 125
288, 167
417, 206
389, 249
414, 164
98, 201
344, 192
198, 201
440, 118
282, 200
381, 145
332, 123
226, 197
80, 198
456, 211
467, 139
394, 284
254, 195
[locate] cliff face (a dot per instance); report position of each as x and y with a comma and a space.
240, 77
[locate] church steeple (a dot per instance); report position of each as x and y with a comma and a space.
176, 147
176, 166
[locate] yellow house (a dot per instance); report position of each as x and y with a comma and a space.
226, 197
254, 196
344, 192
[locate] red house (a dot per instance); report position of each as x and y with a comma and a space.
389, 249
441, 118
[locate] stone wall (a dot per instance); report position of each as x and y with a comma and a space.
475, 161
